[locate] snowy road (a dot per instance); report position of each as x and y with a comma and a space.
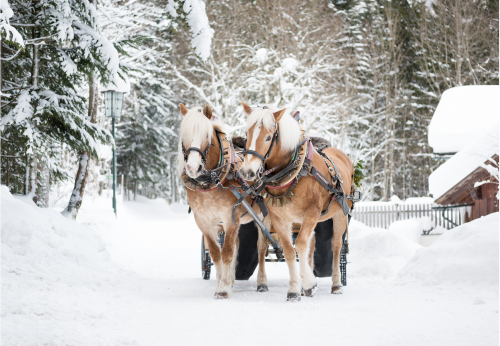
159, 298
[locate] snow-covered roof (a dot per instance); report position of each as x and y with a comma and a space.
463, 114
463, 163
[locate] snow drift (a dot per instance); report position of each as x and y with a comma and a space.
466, 255
411, 228
41, 242
377, 251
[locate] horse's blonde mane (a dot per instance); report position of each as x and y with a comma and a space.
195, 125
288, 127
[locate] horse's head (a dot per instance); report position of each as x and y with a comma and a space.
262, 138
195, 139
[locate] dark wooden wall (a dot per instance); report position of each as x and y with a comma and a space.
485, 202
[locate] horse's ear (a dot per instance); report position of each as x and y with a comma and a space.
279, 114
247, 108
207, 111
184, 110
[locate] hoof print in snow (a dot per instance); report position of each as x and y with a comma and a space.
311, 291
221, 295
262, 288
293, 297
337, 290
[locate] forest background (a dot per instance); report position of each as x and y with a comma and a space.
365, 74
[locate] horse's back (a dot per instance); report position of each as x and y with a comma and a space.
343, 162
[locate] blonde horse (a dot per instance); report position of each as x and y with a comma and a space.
203, 149
272, 138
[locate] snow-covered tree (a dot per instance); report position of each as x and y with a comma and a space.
44, 80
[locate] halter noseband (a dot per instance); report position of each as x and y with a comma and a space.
203, 154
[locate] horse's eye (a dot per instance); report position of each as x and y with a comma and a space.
268, 138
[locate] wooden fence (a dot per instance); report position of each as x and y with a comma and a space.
383, 215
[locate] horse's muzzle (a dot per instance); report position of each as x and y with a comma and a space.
247, 174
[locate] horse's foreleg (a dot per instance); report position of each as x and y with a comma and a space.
284, 232
339, 227
262, 249
303, 245
228, 254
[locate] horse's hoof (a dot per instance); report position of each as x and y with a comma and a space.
337, 290
302, 292
221, 295
311, 291
262, 288
292, 297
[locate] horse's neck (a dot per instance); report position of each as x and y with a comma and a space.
213, 153
277, 157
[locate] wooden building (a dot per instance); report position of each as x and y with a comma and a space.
465, 132
482, 199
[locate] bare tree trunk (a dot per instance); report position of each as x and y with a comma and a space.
76, 198
32, 172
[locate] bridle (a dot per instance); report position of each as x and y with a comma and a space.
185, 152
275, 139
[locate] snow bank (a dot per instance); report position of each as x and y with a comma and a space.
411, 228
41, 242
452, 127
377, 251
466, 255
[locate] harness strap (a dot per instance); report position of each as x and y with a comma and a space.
254, 153
291, 166
337, 194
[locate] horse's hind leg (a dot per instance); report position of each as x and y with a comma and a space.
229, 251
211, 231
339, 227
262, 249
303, 247
312, 247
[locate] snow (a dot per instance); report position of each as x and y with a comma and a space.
377, 251
11, 34
136, 280
261, 55
465, 255
412, 228
117, 83
196, 18
394, 200
463, 163
462, 115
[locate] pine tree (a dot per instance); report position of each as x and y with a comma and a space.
45, 79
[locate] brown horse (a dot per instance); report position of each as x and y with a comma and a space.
203, 146
271, 138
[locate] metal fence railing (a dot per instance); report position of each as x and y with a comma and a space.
384, 215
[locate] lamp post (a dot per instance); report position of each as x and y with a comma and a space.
113, 101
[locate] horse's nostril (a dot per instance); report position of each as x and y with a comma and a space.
252, 174
199, 169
